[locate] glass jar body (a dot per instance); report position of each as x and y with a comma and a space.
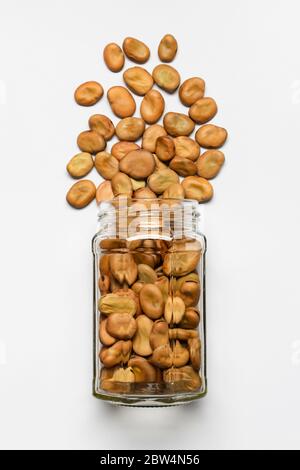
149, 304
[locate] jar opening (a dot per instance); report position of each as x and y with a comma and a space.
148, 218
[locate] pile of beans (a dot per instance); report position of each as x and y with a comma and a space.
167, 162
149, 315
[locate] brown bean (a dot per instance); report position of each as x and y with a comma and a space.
152, 106
180, 263
110, 304
81, 194
138, 164
117, 379
147, 274
174, 191
115, 354
143, 371
152, 302
129, 293
203, 110
180, 354
188, 288
141, 343
103, 125
106, 165
186, 147
167, 48
166, 77
160, 180
151, 134
136, 50
194, 346
210, 136
138, 80
144, 193
91, 142
182, 378
121, 325
197, 188
163, 284
182, 334
165, 148
191, 318
183, 166
191, 90
178, 124
88, 93
162, 357
80, 165
130, 129
210, 163
120, 149
104, 336
104, 278
159, 334
113, 57
121, 101
104, 192
121, 185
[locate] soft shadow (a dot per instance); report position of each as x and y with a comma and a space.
151, 428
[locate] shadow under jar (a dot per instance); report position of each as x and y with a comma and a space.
149, 303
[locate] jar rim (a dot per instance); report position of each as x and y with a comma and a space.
131, 217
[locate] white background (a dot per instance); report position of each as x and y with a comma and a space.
248, 53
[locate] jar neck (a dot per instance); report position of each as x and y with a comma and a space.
132, 219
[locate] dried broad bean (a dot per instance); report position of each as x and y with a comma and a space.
152, 106
106, 165
186, 147
138, 80
81, 194
103, 125
198, 188
116, 354
138, 164
191, 90
152, 301
142, 369
166, 77
80, 165
165, 148
183, 378
110, 304
203, 110
88, 93
136, 50
174, 191
160, 180
210, 136
121, 101
141, 344
130, 129
104, 192
183, 166
167, 48
210, 163
151, 134
121, 325
120, 149
91, 142
113, 57
178, 124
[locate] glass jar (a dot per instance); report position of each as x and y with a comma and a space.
149, 303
